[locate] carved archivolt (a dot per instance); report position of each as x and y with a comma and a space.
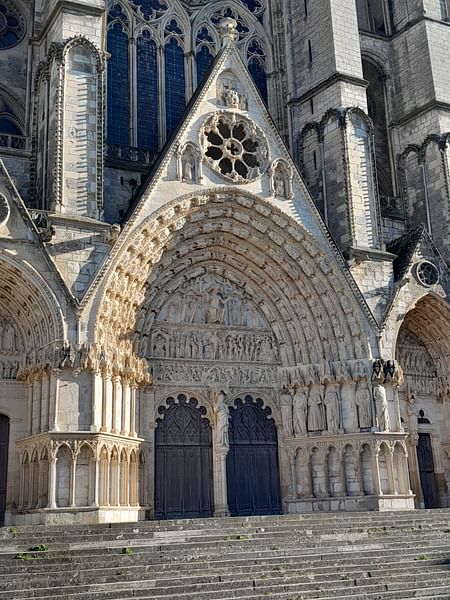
301, 293
30, 317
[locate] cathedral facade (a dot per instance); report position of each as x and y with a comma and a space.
224, 251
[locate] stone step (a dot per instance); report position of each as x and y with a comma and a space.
357, 574
322, 519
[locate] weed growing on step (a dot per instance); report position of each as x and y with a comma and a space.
27, 556
422, 557
39, 548
12, 531
242, 537
128, 551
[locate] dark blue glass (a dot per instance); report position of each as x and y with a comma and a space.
147, 93
118, 116
9, 127
175, 79
258, 73
204, 59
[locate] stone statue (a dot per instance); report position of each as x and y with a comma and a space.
286, 412
279, 185
364, 404
316, 421
381, 407
9, 338
188, 167
300, 412
333, 410
222, 420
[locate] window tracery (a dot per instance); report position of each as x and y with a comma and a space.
235, 147
11, 134
12, 25
159, 55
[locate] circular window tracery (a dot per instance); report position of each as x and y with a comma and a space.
12, 25
4, 210
235, 147
427, 273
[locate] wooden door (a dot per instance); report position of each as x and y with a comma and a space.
183, 467
426, 470
253, 476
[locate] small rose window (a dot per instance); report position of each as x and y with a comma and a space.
235, 147
427, 273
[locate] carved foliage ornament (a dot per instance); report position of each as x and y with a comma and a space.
12, 25
234, 147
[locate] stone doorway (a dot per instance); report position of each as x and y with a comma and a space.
183, 461
253, 476
4, 442
426, 471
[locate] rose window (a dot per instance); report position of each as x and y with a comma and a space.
12, 25
235, 147
427, 273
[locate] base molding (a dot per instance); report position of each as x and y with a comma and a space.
350, 504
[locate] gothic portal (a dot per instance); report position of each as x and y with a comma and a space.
224, 284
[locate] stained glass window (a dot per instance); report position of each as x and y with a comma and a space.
147, 93
12, 25
175, 81
118, 87
151, 9
257, 67
204, 59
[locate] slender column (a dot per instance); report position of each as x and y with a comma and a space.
39, 488
133, 390
104, 426
73, 470
108, 483
376, 474
30, 407
54, 394
97, 392
96, 482
123, 420
52, 482
390, 470
293, 477
115, 384
220, 484
44, 401
22, 486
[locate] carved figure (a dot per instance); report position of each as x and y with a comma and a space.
364, 404
188, 167
333, 410
300, 412
316, 421
381, 406
286, 412
222, 421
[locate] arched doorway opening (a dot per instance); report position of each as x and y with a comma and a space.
423, 347
183, 461
253, 477
4, 443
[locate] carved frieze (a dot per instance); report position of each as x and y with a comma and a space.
207, 373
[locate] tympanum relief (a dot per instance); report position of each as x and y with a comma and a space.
418, 366
211, 321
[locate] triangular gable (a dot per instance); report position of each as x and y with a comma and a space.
167, 181
412, 249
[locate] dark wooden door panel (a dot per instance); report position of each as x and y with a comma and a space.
253, 477
426, 469
183, 461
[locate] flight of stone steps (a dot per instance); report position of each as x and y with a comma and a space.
347, 556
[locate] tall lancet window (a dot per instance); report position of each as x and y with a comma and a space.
175, 77
147, 92
257, 67
205, 52
118, 97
